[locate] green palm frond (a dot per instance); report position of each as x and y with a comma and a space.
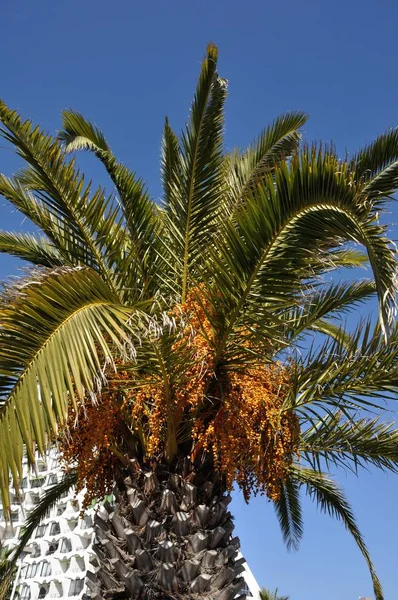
32, 248
55, 336
171, 166
377, 165
271, 595
309, 206
348, 375
276, 143
60, 187
47, 501
330, 499
317, 309
7, 574
79, 134
139, 212
61, 233
342, 258
329, 301
288, 511
192, 209
351, 443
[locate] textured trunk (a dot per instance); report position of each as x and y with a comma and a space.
168, 535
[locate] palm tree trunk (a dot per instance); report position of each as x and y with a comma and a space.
167, 536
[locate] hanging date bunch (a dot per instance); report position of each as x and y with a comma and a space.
253, 441
89, 444
240, 425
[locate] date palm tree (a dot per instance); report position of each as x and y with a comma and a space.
166, 345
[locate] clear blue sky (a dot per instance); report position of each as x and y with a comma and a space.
125, 64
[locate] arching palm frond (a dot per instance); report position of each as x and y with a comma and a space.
55, 335
60, 233
315, 306
276, 143
330, 499
288, 511
60, 187
360, 374
265, 253
351, 443
37, 250
139, 211
377, 165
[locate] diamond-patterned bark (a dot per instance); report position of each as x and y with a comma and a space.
168, 535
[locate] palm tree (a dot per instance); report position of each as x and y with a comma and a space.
271, 595
165, 346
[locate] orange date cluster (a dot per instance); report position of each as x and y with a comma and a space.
249, 434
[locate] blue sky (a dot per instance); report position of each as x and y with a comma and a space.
126, 66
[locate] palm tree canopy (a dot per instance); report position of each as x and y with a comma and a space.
182, 328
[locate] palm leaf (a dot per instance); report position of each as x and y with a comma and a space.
276, 143
330, 499
32, 248
47, 501
377, 165
139, 212
271, 595
61, 233
7, 574
60, 187
351, 443
332, 300
309, 206
191, 210
288, 510
54, 331
349, 375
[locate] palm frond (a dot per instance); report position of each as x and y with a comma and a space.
31, 248
351, 443
347, 258
271, 595
79, 134
377, 166
171, 166
288, 511
7, 574
56, 331
332, 300
310, 205
353, 373
60, 187
60, 232
139, 212
192, 210
331, 500
47, 502
276, 143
